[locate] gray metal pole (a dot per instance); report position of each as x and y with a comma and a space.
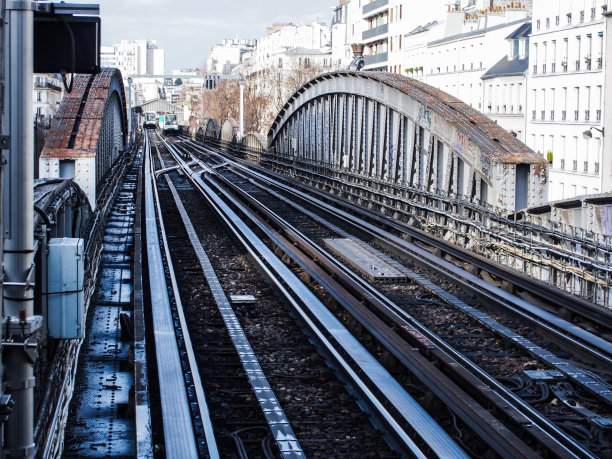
241, 109
129, 137
19, 323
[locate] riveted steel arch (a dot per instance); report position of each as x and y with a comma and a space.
229, 130
212, 129
88, 132
396, 130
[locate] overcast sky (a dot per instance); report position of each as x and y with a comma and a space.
188, 29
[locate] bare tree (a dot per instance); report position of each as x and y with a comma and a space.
224, 102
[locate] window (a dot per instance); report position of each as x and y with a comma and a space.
400, 12
38, 98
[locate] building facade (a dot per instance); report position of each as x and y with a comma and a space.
134, 57
565, 101
479, 56
46, 96
228, 54
504, 84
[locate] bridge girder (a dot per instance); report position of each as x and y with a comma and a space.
87, 134
393, 129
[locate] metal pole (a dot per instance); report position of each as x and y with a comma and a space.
129, 138
18, 320
241, 109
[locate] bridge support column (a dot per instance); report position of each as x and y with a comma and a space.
19, 324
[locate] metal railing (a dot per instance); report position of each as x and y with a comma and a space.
376, 58
373, 5
380, 30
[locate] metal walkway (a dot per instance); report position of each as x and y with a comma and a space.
101, 420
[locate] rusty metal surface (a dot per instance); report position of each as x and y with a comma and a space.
497, 143
76, 127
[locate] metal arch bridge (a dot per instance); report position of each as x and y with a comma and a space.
401, 132
89, 132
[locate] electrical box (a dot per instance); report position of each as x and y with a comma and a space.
65, 302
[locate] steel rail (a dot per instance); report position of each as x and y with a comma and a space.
312, 311
594, 347
600, 315
541, 429
562, 330
278, 423
576, 374
472, 413
523, 407
179, 435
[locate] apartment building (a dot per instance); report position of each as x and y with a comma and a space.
46, 97
565, 100
224, 56
454, 53
289, 47
505, 83
134, 57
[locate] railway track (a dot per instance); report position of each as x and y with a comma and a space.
531, 370
324, 415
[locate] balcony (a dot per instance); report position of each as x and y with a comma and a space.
596, 171
576, 115
376, 59
586, 166
575, 165
373, 5
587, 115
533, 115
543, 68
553, 67
563, 115
380, 30
599, 62
597, 115
543, 115
578, 64
562, 164
535, 69
552, 115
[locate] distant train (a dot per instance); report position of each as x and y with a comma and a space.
168, 124
150, 121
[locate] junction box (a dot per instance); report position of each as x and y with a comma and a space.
65, 303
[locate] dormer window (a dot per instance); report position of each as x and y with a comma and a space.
515, 49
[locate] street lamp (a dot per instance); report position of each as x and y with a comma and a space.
130, 109
589, 135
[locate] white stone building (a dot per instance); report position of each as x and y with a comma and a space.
454, 53
566, 94
134, 57
287, 46
46, 97
505, 83
228, 54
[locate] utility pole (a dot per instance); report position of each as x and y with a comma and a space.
241, 108
18, 322
129, 133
